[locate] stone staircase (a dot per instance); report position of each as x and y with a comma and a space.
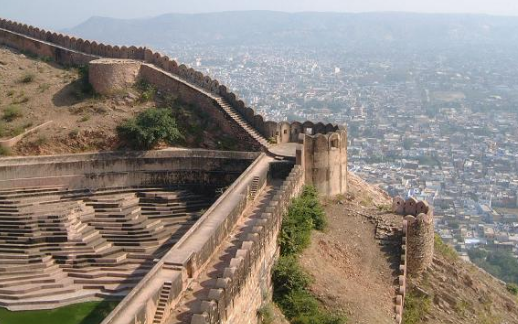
60, 246
238, 118
198, 290
120, 221
162, 303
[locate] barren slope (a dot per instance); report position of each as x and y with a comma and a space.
353, 272
460, 292
42, 92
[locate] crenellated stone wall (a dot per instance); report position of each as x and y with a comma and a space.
321, 161
418, 244
68, 50
324, 159
247, 278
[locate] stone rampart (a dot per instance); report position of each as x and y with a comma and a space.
190, 255
240, 291
68, 50
324, 159
185, 92
418, 244
72, 43
125, 169
238, 294
285, 132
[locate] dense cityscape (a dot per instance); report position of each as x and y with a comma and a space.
438, 126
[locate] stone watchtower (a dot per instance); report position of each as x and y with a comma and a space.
324, 160
419, 233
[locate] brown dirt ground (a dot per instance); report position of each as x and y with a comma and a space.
82, 123
353, 273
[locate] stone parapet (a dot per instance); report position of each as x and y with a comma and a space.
324, 160
69, 50
109, 76
220, 301
418, 244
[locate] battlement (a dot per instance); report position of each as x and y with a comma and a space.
324, 159
418, 243
125, 68
320, 152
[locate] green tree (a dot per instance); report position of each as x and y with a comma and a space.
149, 128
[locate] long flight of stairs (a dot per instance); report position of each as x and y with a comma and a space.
238, 118
162, 303
60, 246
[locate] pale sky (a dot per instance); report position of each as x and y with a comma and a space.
59, 14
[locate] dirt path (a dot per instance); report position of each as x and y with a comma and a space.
352, 271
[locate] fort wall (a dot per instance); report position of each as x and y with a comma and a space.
56, 53
322, 162
191, 254
324, 158
247, 278
184, 92
67, 50
418, 244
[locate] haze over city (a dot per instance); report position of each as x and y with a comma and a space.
65, 14
273, 162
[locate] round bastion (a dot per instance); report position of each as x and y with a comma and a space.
108, 76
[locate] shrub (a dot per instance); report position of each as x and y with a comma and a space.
85, 118
313, 208
74, 133
4, 151
416, 307
265, 314
84, 88
447, 251
149, 128
27, 78
304, 215
288, 276
512, 288
289, 280
41, 140
43, 87
295, 233
12, 112
147, 91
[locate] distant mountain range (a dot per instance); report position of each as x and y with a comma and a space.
308, 29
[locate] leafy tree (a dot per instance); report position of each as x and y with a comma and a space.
500, 264
149, 128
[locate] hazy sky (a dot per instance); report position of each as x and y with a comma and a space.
67, 13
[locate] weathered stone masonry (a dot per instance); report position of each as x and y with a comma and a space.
321, 160
190, 85
248, 273
417, 246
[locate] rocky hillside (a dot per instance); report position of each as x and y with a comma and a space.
33, 92
354, 266
454, 291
